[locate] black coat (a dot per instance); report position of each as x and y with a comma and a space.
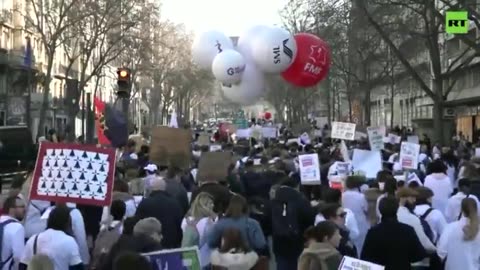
167, 210
394, 245
305, 217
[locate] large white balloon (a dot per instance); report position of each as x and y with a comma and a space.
249, 89
245, 41
228, 66
207, 45
274, 50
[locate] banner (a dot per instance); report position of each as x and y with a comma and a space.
73, 173
100, 121
175, 259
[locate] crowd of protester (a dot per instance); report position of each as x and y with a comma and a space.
260, 216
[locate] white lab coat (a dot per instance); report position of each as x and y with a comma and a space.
355, 201
454, 204
460, 254
435, 219
404, 216
13, 243
441, 187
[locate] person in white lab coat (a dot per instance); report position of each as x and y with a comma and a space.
13, 239
432, 216
453, 211
460, 241
354, 200
407, 198
439, 182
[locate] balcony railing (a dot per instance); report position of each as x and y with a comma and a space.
72, 73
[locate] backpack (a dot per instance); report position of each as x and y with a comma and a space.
285, 220
191, 236
105, 240
426, 227
2, 233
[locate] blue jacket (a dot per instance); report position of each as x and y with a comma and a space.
250, 229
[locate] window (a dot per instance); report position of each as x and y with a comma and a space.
6, 40
3, 117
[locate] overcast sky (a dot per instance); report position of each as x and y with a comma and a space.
231, 17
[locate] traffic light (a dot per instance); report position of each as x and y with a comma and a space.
123, 82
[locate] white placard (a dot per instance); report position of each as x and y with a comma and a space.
413, 139
367, 162
305, 138
309, 169
349, 263
392, 139
215, 148
375, 137
344, 151
343, 131
243, 133
269, 132
409, 155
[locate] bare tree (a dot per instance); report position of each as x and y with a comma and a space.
99, 39
49, 20
420, 21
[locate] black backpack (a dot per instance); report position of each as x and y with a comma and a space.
285, 220
2, 233
426, 227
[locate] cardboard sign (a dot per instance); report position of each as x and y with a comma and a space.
214, 166
170, 146
343, 131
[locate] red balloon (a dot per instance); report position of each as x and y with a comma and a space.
312, 62
267, 116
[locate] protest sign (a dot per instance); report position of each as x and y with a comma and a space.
73, 173
349, 263
409, 155
170, 146
269, 132
309, 169
343, 131
375, 137
175, 259
413, 139
392, 139
213, 166
368, 162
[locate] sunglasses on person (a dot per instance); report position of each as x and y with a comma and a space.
342, 215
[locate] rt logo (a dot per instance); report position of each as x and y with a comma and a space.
456, 22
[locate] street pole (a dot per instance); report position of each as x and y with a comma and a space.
90, 120
83, 115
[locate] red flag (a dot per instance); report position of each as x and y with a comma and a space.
100, 121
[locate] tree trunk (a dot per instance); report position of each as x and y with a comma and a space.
367, 111
438, 105
45, 103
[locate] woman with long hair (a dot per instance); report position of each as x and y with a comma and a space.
196, 224
234, 252
460, 241
237, 216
